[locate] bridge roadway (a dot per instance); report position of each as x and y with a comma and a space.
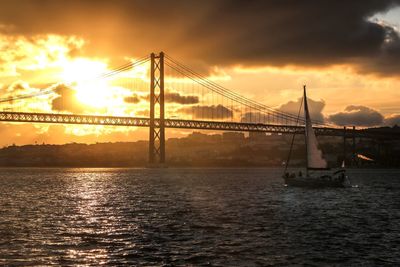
183, 124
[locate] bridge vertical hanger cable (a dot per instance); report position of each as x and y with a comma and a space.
213, 84
278, 116
244, 102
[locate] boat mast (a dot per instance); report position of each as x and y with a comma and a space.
293, 137
306, 118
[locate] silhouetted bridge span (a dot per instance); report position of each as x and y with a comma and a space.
188, 124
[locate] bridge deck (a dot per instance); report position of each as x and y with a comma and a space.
177, 123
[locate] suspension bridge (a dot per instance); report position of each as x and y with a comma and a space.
178, 97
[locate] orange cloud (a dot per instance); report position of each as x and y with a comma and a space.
21, 53
66, 100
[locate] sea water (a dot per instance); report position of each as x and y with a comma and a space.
197, 217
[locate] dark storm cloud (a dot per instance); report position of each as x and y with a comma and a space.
392, 120
208, 112
181, 99
357, 116
222, 32
315, 107
66, 101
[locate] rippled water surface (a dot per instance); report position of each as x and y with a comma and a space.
198, 217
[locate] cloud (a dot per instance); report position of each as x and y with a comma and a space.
66, 101
29, 53
392, 120
134, 99
250, 33
175, 97
18, 87
256, 117
207, 112
315, 108
181, 99
357, 116
143, 113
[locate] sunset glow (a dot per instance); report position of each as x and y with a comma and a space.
199, 133
35, 57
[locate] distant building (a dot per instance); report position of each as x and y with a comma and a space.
257, 137
204, 138
233, 137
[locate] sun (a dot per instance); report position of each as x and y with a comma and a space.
100, 95
84, 76
96, 94
82, 70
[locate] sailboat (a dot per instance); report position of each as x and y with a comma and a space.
317, 173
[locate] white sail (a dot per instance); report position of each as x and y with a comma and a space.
314, 154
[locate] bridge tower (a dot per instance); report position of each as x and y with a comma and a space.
157, 129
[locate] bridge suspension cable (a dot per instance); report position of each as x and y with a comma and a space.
222, 89
253, 105
249, 107
228, 93
53, 88
124, 67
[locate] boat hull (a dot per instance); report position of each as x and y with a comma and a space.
313, 182
337, 179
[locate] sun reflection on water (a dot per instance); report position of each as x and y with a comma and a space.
97, 222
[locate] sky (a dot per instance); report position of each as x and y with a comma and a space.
347, 52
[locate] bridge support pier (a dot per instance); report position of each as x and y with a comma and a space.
344, 145
353, 160
354, 153
157, 125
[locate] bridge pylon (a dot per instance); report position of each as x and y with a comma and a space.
157, 124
